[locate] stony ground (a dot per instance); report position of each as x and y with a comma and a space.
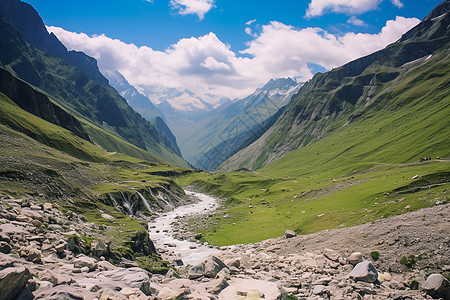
335, 264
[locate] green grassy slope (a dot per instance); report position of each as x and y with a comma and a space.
49, 163
80, 96
325, 103
364, 170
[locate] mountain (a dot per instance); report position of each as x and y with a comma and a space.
136, 100
238, 125
28, 22
183, 110
374, 85
166, 134
104, 114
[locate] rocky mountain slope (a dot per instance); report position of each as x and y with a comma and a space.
238, 125
327, 103
71, 88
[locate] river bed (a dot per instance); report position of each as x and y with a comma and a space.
161, 230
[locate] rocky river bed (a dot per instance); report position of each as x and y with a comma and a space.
401, 257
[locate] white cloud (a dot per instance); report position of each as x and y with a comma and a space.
248, 23
214, 65
320, 7
194, 7
355, 21
249, 31
206, 65
397, 3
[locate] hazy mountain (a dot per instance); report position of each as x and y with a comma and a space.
136, 100
184, 111
100, 108
361, 89
237, 125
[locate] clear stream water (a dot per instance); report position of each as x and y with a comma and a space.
161, 230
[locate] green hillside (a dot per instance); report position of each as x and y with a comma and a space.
368, 165
49, 163
82, 97
330, 100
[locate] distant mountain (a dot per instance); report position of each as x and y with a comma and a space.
98, 106
136, 100
238, 125
183, 110
372, 87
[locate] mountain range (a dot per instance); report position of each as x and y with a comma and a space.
363, 89
229, 129
73, 81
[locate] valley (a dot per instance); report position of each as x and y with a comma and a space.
333, 188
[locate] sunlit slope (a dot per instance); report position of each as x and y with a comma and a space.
356, 90
364, 170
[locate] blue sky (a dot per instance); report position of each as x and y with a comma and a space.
216, 51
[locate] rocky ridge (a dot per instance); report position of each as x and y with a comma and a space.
43, 256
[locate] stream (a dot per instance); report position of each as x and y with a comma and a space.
161, 230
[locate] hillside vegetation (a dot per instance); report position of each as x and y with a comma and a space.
386, 156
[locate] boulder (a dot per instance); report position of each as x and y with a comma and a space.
84, 261
99, 248
355, 258
213, 265
54, 278
331, 254
233, 262
12, 281
7, 261
5, 248
289, 234
437, 286
251, 289
167, 293
34, 255
135, 278
108, 294
208, 268
364, 271
47, 206
66, 292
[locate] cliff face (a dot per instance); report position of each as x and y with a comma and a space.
38, 104
30, 25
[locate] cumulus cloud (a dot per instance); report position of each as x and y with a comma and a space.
320, 7
355, 21
206, 65
194, 7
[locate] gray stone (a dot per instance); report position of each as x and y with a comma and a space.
34, 255
54, 278
289, 234
208, 268
84, 261
5, 248
12, 280
364, 271
64, 292
355, 258
99, 248
437, 286
331, 254
319, 289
